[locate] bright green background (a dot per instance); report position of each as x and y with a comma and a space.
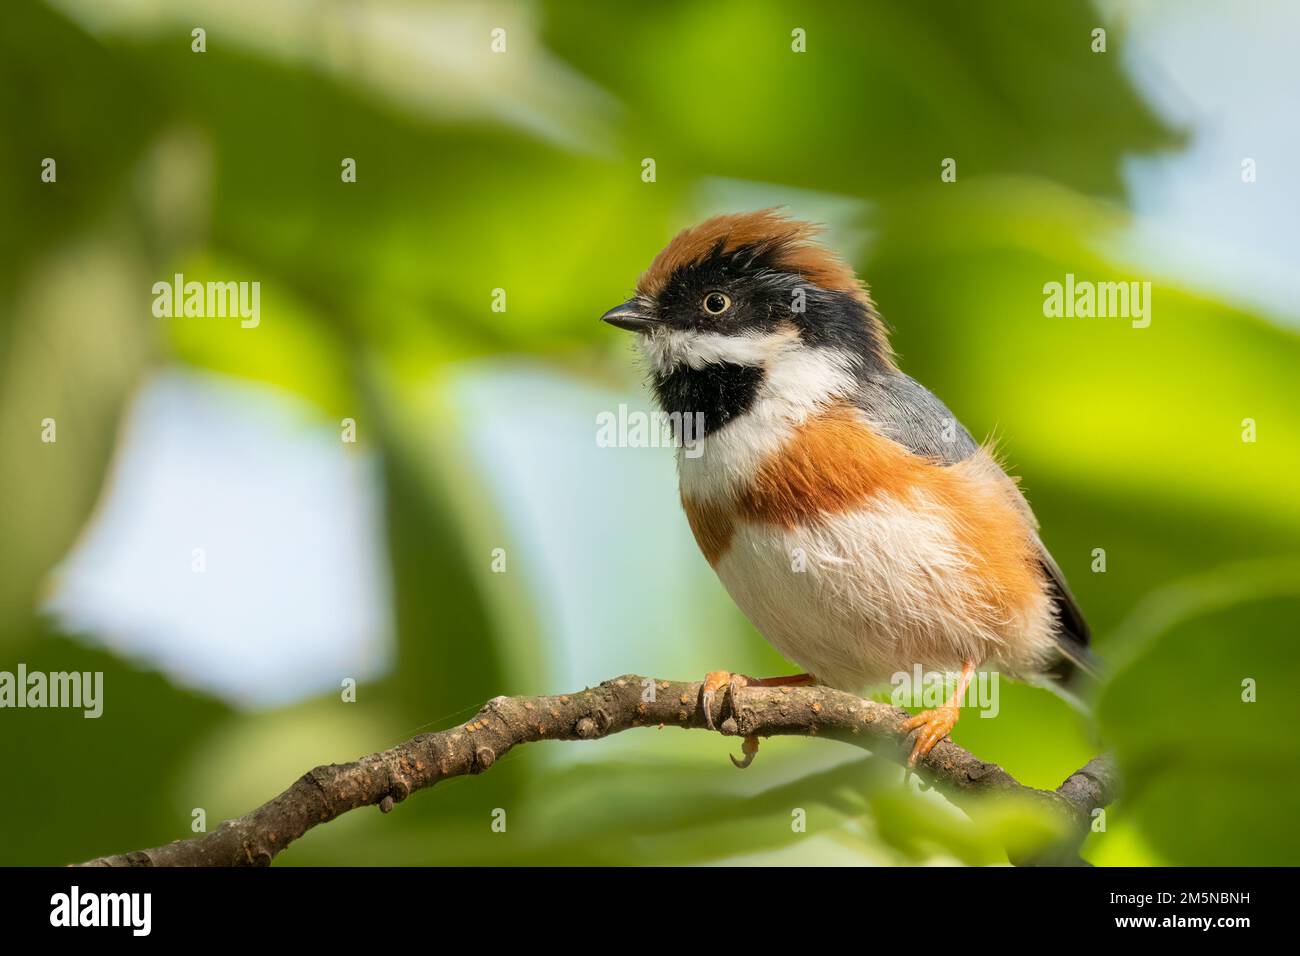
522, 171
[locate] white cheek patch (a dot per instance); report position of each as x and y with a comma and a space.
803, 381
667, 349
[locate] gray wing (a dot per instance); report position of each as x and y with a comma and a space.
913, 416
909, 413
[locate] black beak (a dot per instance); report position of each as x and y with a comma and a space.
631, 315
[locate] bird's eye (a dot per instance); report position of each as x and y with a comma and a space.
715, 303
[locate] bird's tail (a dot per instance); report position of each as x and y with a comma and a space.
1075, 676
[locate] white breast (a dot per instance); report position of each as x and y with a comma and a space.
870, 593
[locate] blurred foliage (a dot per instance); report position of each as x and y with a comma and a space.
1203, 771
522, 172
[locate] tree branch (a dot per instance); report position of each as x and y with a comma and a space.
390, 776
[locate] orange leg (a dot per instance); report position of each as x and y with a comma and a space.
936, 724
717, 680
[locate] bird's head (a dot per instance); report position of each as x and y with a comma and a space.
745, 303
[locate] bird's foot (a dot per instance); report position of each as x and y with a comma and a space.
934, 726
715, 681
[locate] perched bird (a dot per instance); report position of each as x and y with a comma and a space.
856, 523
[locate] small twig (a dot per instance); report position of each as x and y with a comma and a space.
389, 777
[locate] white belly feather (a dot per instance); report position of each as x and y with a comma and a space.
871, 593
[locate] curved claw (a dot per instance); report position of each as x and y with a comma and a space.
750, 749
715, 681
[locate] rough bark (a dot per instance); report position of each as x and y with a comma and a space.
389, 777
